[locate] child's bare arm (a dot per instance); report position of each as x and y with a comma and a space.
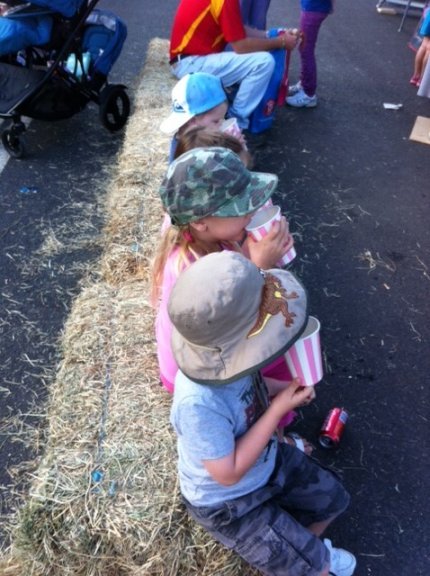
230, 469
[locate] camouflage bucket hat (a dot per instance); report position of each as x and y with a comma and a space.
213, 182
238, 320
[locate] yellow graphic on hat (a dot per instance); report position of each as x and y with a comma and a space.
274, 300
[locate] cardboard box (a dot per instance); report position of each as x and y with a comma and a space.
421, 130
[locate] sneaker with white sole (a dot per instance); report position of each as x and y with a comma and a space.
342, 562
302, 100
294, 88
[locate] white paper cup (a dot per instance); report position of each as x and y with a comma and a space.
230, 126
261, 225
304, 358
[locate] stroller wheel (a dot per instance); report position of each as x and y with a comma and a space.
13, 145
114, 107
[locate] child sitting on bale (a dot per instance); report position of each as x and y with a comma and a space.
211, 196
264, 499
197, 100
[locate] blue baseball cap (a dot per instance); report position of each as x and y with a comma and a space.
194, 94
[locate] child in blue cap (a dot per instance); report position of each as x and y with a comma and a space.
198, 99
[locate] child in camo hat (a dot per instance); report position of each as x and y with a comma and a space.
262, 498
210, 196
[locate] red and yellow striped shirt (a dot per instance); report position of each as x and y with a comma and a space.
204, 27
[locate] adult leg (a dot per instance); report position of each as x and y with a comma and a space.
252, 71
246, 10
310, 23
259, 9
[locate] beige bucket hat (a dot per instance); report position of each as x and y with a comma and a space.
230, 318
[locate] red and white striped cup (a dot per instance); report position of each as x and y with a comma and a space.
304, 358
261, 224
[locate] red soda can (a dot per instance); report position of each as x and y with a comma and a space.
333, 427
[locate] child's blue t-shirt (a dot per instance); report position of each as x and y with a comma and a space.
208, 420
316, 5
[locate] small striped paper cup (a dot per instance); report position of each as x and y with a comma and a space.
288, 257
260, 226
304, 358
230, 126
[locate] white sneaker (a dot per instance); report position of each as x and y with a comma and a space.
294, 88
302, 100
342, 562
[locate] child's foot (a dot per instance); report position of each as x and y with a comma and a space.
294, 439
294, 88
342, 562
302, 100
415, 81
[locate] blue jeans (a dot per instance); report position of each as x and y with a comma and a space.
310, 23
252, 71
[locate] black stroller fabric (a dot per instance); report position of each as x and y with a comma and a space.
55, 100
15, 84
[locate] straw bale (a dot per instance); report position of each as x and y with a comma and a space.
108, 415
104, 500
134, 208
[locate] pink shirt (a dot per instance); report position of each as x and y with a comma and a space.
163, 325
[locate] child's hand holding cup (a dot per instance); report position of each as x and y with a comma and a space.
260, 226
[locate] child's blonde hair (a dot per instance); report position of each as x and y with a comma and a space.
189, 250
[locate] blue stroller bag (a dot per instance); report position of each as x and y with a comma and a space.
103, 38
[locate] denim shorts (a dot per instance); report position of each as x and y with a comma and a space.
267, 528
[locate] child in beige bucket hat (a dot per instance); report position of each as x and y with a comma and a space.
210, 196
250, 492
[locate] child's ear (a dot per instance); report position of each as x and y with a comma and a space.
199, 225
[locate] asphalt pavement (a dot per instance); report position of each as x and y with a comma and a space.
51, 218
356, 191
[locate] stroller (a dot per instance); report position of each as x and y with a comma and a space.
55, 57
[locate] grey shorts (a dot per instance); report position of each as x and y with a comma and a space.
267, 528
